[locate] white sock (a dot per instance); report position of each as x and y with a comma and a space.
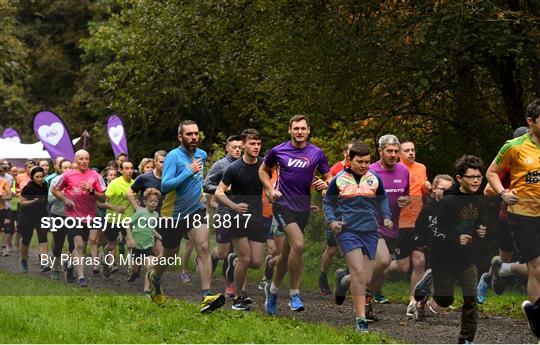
294, 292
273, 289
505, 270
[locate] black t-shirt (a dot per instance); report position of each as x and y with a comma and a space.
30, 192
246, 187
145, 181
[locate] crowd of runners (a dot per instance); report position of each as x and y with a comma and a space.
381, 216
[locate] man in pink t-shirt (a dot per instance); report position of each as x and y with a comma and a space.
79, 189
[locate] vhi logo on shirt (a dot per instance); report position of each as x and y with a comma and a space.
300, 162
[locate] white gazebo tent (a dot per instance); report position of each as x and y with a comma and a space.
17, 153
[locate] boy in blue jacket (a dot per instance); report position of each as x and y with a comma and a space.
351, 204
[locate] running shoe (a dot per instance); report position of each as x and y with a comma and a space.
369, 308
324, 288
381, 299
483, 288
184, 277
422, 289
411, 309
147, 293
341, 291
44, 268
55, 275
247, 299
271, 301
229, 273
133, 276
69, 275
212, 302
268, 269
114, 268
361, 326
419, 311
229, 289
497, 282
296, 303
155, 289
82, 282
240, 304
24, 266
533, 315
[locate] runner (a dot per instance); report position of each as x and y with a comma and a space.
298, 161
351, 205
520, 155
210, 184
424, 224
182, 184
81, 188
141, 233
244, 202
33, 204
410, 249
5, 209
57, 171
461, 219
331, 245
151, 179
118, 160
146, 165
57, 210
501, 266
118, 208
23, 178
395, 177
44, 164
14, 223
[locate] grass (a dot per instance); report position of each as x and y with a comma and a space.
32, 315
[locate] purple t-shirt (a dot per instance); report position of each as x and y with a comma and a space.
396, 184
296, 172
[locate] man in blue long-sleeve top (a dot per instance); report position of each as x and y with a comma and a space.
181, 182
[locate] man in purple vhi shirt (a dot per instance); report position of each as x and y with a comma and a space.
395, 178
298, 161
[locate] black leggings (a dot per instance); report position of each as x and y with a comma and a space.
59, 237
28, 224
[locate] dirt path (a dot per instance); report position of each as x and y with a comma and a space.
441, 328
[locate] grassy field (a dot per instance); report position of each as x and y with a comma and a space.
81, 316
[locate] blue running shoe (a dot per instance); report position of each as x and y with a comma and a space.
361, 326
483, 288
271, 301
296, 303
422, 289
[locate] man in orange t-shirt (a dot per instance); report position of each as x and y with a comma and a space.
408, 245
